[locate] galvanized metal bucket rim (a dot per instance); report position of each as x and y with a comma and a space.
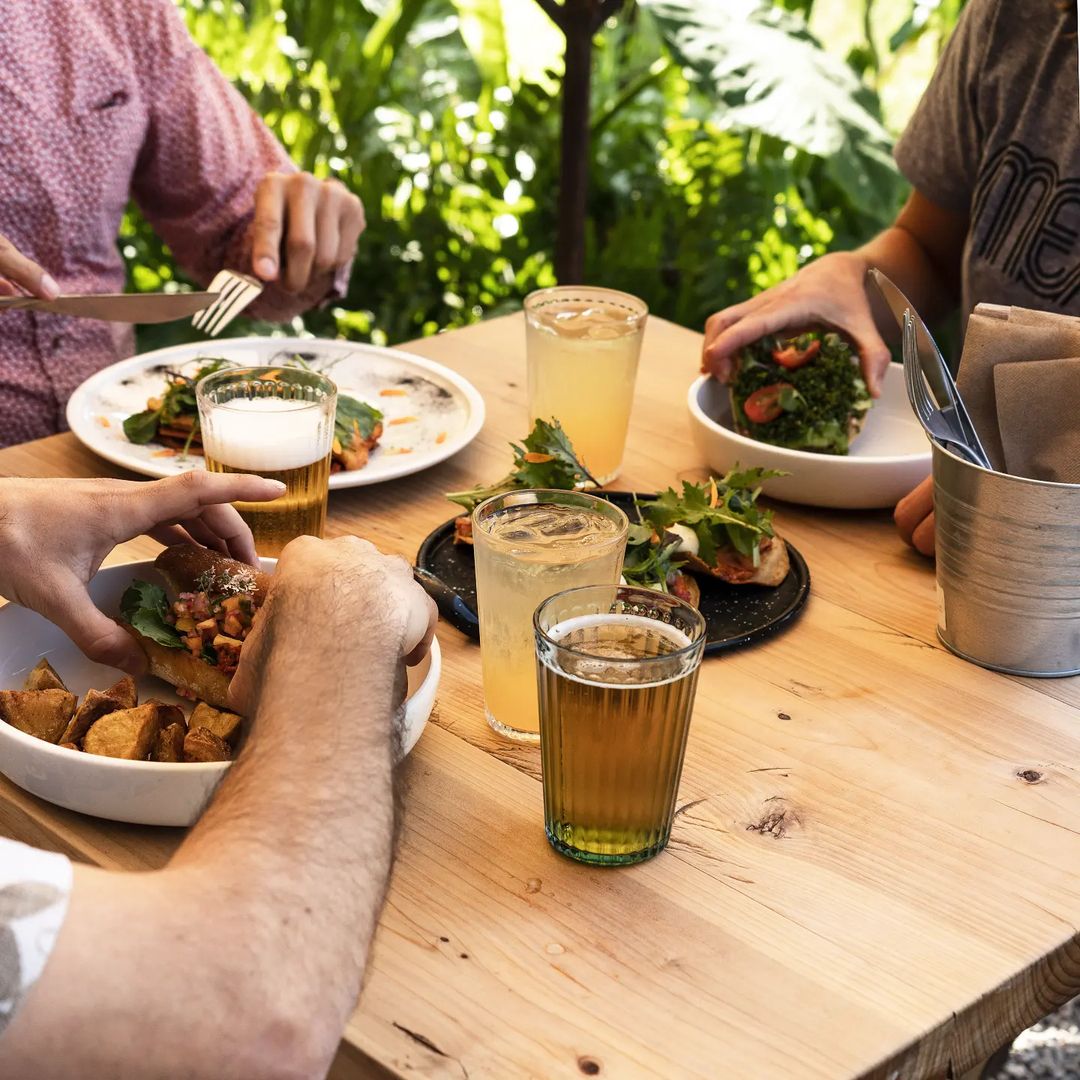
939, 449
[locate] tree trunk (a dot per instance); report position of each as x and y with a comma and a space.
574, 144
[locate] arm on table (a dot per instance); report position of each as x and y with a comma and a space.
921, 251
244, 956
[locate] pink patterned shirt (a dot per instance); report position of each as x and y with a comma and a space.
102, 101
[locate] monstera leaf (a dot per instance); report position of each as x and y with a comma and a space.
768, 74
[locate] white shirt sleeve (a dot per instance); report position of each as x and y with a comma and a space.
34, 890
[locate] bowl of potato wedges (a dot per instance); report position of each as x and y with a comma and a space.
92, 739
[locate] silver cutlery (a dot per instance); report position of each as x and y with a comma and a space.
943, 425
117, 307
235, 291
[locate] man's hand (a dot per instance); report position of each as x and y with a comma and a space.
55, 534
914, 517
329, 602
311, 224
829, 291
19, 274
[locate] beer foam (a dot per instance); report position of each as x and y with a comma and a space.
268, 434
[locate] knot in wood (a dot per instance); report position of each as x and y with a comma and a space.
778, 819
1030, 776
589, 1066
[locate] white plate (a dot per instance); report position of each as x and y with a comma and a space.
449, 410
889, 457
142, 792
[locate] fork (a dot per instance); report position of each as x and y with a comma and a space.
235, 291
943, 426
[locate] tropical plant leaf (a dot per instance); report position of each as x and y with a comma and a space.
769, 74
480, 23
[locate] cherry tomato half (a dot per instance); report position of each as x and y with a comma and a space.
763, 406
793, 357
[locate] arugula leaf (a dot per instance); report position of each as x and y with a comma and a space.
177, 401
355, 418
722, 513
142, 428
546, 459
144, 607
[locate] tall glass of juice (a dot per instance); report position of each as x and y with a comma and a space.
528, 545
279, 423
617, 669
582, 349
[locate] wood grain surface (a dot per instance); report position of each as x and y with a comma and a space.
875, 865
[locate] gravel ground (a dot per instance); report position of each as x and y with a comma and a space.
1048, 1051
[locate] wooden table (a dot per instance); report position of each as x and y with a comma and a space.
875, 864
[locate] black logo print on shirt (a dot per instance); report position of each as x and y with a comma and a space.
1027, 223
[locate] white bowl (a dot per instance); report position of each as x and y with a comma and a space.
142, 792
888, 458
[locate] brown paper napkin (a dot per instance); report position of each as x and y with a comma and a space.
1020, 379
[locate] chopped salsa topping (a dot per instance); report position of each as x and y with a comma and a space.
215, 626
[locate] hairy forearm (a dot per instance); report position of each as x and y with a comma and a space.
256, 934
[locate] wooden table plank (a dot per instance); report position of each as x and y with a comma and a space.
875, 867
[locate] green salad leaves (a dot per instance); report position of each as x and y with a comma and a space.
145, 608
721, 512
545, 459
177, 403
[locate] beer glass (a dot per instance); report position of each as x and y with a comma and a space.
582, 348
279, 423
617, 669
528, 545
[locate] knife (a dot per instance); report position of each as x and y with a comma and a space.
898, 304
117, 307
932, 363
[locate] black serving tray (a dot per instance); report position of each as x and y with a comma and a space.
735, 615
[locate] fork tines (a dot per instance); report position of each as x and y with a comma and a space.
235, 292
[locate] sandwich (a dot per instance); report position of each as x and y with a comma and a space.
715, 528
803, 393
193, 641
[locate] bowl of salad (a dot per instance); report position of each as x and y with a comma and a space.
799, 406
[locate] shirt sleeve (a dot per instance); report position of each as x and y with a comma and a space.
203, 155
940, 150
34, 890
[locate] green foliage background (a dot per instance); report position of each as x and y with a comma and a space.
733, 140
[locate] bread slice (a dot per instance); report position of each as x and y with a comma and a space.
737, 569
193, 569
184, 671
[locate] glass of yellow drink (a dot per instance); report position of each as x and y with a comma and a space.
528, 545
617, 669
582, 348
279, 423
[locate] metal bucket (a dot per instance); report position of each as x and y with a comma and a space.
1008, 569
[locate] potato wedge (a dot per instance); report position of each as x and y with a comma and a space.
44, 677
168, 714
69, 746
43, 713
94, 706
128, 733
225, 725
169, 744
201, 744
124, 691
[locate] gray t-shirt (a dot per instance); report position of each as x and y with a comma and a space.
997, 137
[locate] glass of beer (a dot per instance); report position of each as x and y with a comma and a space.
582, 348
617, 669
528, 545
279, 423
